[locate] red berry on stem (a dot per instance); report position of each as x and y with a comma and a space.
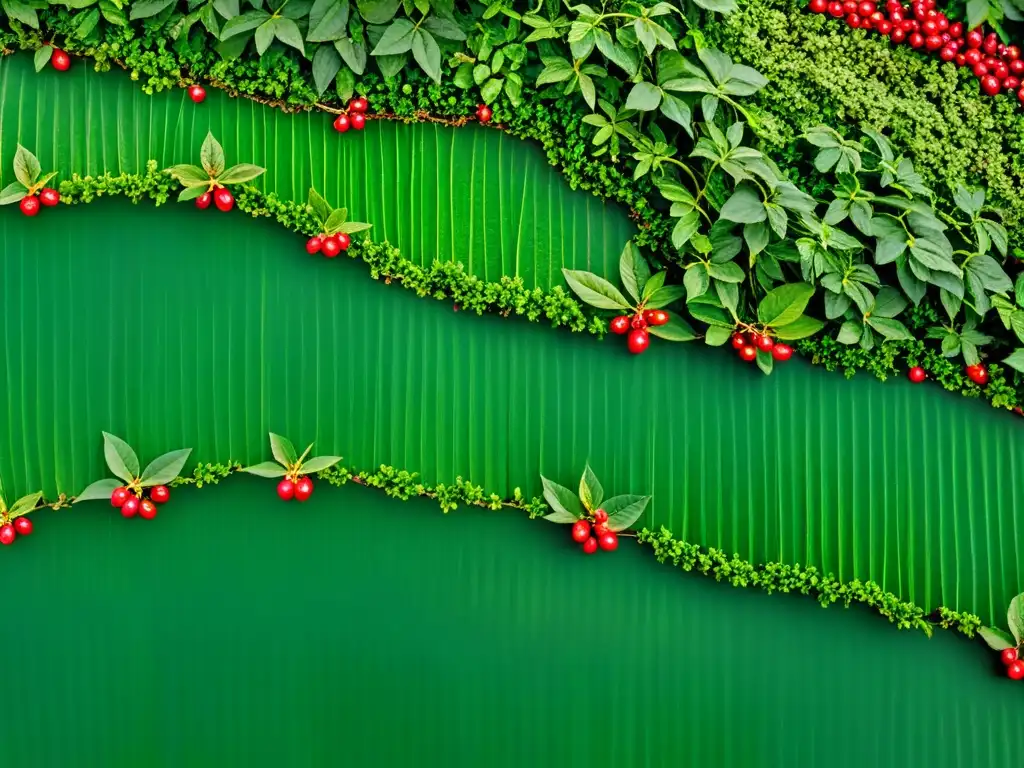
619, 324
130, 507
203, 201
161, 494
638, 341
6, 534
600, 516
656, 317
765, 344
223, 199
484, 113
358, 105
818, 6
49, 197
600, 529
580, 531
917, 374
147, 509
835, 8
197, 93
975, 38
60, 60
748, 353
119, 497
286, 490
29, 205
990, 84
915, 39
1008, 655
978, 374
590, 546
331, 246
344, 240
341, 123
358, 120
23, 526
609, 542
853, 21
638, 322
739, 341
956, 29
782, 352
314, 244
303, 488
1015, 671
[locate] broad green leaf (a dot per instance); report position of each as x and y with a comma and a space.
595, 290
101, 489
784, 304
378, 11
444, 28
326, 64
565, 506
624, 510
1015, 360
892, 330
335, 221
710, 314
328, 21
491, 89
396, 39
427, 54
351, 227
633, 271
1015, 618
801, 328
696, 280
556, 71
353, 54
238, 174
164, 469
644, 97
212, 155
850, 332
247, 22
42, 57
189, 175
716, 336
319, 463
888, 303
191, 193
143, 9
288, 32
977, 13
26, 166
997, 639
665, 296
26, 504
744, 206
21, 11
267, 469
13, 193
591, 492
283, 450
728, 272
121, 459
676, 329
684, 229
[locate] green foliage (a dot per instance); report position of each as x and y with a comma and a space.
123, 463
287, 464
795, 578
567, 507
998, 639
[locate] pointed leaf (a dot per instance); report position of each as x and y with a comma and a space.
328, 20
676, 329
1015, 618
13, 193
321, 208
120, 457
623, 511
633, 271
211, 156
335, 220
288, 32
665, 296
591, 492
42, 57
163, 469
241, 173
101, 489
26, 166
283, 450
745, 206
326, 65
997, 639
26, 504
784, 304
565, 505
351, 227
266, 469
595, 290
189, 175
319, 463
396, 39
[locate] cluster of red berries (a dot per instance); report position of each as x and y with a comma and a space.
483, 113
1014, 665
197, 93
30, 204
354, 118
300, 489
132, 504
221, 197
999, 67
747, 346
21, 526
598, 535
639, 339
329, 245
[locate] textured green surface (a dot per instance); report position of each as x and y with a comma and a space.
109, 321
470, 195
357, 630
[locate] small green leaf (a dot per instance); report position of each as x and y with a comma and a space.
335, 221
26, 166
624, 510
267, 469
13, 193
591, 492
211, 155
288, 32
565, 506
427, 54
319, 463
101, 489
238, 174
164, 469
353, 53
997, 639
1015, 360
633, 270
42, 57
396, 39
26, 504
283, 450
143, 9
644, 97
351, 227
191, 193
716, 336
491, 89
676, 329
378, 11
784, 304
745, 206
21, 11
326, 65
189, 175
1015, 618
121, 459
328, 21
803, 327
595, 290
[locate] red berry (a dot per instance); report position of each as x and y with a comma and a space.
947, 54
619, 325
7, 534
130, 507
991, 44
897, 35
1008, 655
1011, 83
358, 105
782, 352
600, 516
978, 374
1017, 67
23, 526
917, 374
60, 60
483, 113
600, 529
303, 488
764, 343
30, 205
933, 42
119, 497
1001, 71
197, 93
884, 27
358, 120
223, 199
915, 39
344, 240
748, 353
960, 60
1012, 53
973, 56
739, 341
580, 531
850, 6
160, 494
609, 542
1015, 671
638, 341
341, 123
203, 201
656, 317
818, 6
835, 8
865, 22
853, 21
930, 27
49, 197
147, 509
331, 246
286, 490
980, 70
975, 38
314, 244
956, 29
990, 84
1020, 95
590, 546
638, 321
865, 8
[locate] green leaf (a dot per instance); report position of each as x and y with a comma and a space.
326, 64
26, 504
684, 229
101, 489
267, 469
245, 23
624, 510
212, 155
716, 336
556, 71
283, 450
427, 54
665, 296
288, 32
238, 174
676, 329
784, 304
120, 457
328, 21
892, 330
21, 11
335, 221
888, 303
595, 290
143, 9
13, 193
1015, 618
591, 492
444, 28
565, 506
997, 639
850, 332
189, 175
727, 272
977, 13
163, 469
644, 97
378, 11
744, 206
633, 271
351, 227
1015, 360
264, 36
491, 89
319, 463
396, 39
765, 362
190, 193
26, 166
710, 314
678, 111
42, 57
696, 280
801, 328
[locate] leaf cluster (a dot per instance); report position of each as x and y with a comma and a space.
29, 178
568, 507
287, 463
332, 220
212, 173
123, 463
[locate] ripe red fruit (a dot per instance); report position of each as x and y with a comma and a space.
600, 516
314, 244
991, 44
590, 546
933, 42
638, 322
7, 534
344, 240
600, 529
331, 246
1020, 95
358, 105
483, 113
930, 27
656, 316
580, 531
978, 374
897, 35
917, 374
947, 54
1001, 71
865, 22
29, 205
853, 21
119, 497
1015, 671
818, 6
975, 38
973, 56
638, 341
130, 507
1017, 67
197, 93
865, 8
23, 526
835, 8
739, 341
850, 6
303, 489
1012, 53
748, 353
915, 39
990, 84
286, 490
960, 60
60, 60
980, 70
1008, 655
223, 199
764, 343
49, 197
161, 494
956, 29
358, 120
1011, 83
147, 509
609, 542
341, 123
884, 27
619, 325
203, 201
782, 352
